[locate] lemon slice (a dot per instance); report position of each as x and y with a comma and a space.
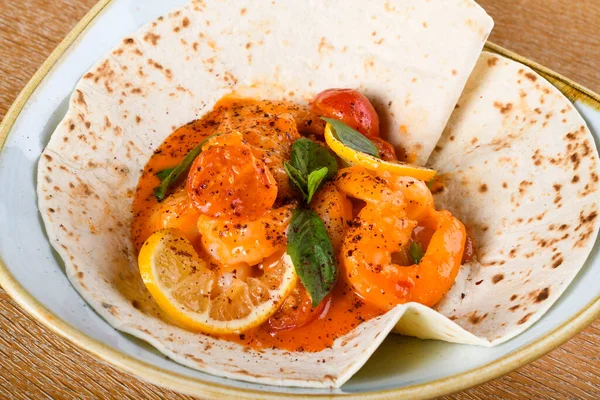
188, 291
354, 157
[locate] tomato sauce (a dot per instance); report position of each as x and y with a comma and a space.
341, 315
344, 313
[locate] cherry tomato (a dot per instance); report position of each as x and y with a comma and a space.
386, 150
226, 180
297, 310
350, 107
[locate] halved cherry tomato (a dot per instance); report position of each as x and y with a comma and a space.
349, 106
226, 180
297, 310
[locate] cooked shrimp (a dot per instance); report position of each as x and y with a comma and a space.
366, 255
417, 196
269, 129
307, 122
335, 211
356, 182
236, 180
272, 146
227, 181
245, 241
175, 212
384, 227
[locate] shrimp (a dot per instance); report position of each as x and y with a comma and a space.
417, 196
242, 249
384, 227
225, 179
235, 182
335, 211
268, 134
235, 242
358, 183
307, 122
175, 212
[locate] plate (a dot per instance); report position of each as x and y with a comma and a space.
34, 276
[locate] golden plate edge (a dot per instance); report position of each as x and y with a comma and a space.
572, 90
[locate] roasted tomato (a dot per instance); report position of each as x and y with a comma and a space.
348, 106
297, 310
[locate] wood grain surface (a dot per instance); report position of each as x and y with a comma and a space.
37, 364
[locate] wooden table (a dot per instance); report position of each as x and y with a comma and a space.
561, 34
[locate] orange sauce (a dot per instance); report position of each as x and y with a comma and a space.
346, 309
345, 312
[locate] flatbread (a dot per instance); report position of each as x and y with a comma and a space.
412, 58
520, 168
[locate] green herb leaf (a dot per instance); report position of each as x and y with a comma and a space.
352, 138
310, 158
297, 178
300, 154
162, 175
416, 252
312, 254
315, 179
309, 245
160, 192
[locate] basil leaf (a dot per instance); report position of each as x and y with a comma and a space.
297, 178
300, 153
308, 158
352, 138
312, 254
162, 175
160, 192
416, 252
315, 179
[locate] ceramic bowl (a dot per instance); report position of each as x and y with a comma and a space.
34, 276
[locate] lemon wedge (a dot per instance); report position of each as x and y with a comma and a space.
354, 157
188, 291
